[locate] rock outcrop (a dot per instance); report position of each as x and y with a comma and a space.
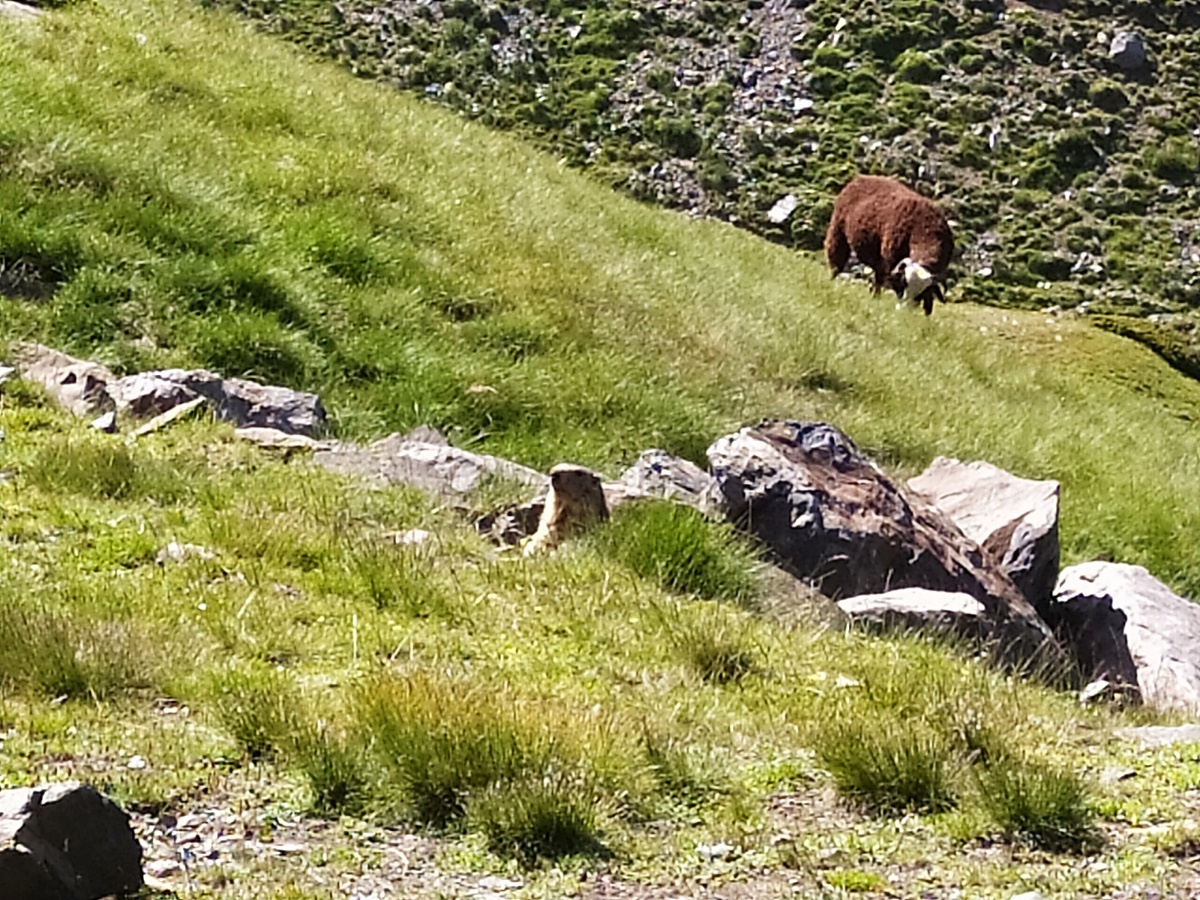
1014, 520
78, 386
1122, 624
89, 389
431, 466
246, 404
65, 842
834, 520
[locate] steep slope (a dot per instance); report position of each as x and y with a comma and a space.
1072, 177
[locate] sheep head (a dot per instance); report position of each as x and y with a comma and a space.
912, 282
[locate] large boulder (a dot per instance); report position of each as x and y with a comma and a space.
1124, 625
1014, 520
834, 520
66, 842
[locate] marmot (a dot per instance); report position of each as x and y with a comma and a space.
576, 500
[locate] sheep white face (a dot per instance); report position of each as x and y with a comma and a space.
917, 279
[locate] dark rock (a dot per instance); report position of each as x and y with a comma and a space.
1014, 520
24, 878
1128, 50
79, 386
511, 526
1122, 624
834, 520
66, 841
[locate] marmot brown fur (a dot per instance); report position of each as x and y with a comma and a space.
576, 500
901, 236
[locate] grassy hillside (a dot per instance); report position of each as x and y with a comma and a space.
176, 188
286, 222
1071, 179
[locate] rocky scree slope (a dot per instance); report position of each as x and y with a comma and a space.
1063, 137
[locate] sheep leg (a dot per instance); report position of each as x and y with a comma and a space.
837, 249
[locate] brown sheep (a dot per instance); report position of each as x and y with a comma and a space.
902, 237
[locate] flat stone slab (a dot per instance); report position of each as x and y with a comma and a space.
1161, 735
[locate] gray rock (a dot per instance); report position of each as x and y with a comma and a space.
246, 404
66, 842
655, 473
1014, 520
834, 520
150, 394
1128, 50
79, 386
436, 468
1161, 735
89, 389
784, 207
275, 439
106, 422
10, 9
1122, 624
919, 609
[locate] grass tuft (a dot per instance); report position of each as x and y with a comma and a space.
337, 771
392, 577
681, 550
100, 468
258, 709
889, 764
67, 654
719, 649
546, 818
1037, 802
443, 742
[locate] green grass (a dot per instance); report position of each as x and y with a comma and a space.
892, 766
1038, 802
679, 548
518, 712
